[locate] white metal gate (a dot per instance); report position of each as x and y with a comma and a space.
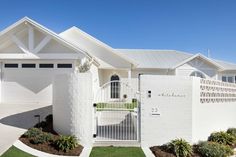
116, 112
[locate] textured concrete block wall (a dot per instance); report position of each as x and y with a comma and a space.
72, 106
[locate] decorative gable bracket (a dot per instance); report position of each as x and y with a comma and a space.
30, 48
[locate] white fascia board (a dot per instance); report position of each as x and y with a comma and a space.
201, 56
6, 30
38, 56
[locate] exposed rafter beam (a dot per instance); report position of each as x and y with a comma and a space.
31, 38
19, 44
43, 43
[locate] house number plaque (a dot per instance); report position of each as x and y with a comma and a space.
155, 111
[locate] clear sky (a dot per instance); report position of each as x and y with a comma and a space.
187, 25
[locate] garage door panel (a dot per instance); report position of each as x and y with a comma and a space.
28, 85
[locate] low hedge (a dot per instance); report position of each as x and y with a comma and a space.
232, 131
37, 136
213, 149
222, 138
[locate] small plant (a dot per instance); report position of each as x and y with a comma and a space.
83, 66
222, 138
32, 132
66, 143
37, 140
232, 131
180, 148
213, 149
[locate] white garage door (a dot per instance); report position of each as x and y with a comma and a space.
30, 83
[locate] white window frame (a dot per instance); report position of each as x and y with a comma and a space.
227, 78
115, 87
194, 74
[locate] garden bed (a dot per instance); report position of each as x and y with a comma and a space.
161, 151
219, 144
49, 146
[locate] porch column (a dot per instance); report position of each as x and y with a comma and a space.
129, 77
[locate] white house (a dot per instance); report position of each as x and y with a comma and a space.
32, 56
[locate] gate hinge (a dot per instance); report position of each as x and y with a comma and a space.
94, 135
94, 105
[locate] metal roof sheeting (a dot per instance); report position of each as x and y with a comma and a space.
161, 59
226, 65
164, 59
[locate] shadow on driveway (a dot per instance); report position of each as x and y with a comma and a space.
26, 119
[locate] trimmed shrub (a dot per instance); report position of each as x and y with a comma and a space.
232, 131
222, 138
42, 138
213, 149
66, 143
32, 132
180, 148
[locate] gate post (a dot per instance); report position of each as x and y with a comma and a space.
72, 111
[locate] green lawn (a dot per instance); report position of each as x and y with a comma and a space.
14, 152
117, 152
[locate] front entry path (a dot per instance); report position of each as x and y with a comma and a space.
15, 119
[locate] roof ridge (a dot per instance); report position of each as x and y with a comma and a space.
154, 50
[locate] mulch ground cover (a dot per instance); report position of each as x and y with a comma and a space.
49, 147
160, 151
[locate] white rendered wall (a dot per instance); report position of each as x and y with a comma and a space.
105, 75
72, 106
210, 117
183, 113
171, 97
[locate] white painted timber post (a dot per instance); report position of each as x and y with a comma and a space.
129, 77
31, 38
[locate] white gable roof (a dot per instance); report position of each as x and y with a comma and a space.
201, 57
108, 57
105, 54
22, 24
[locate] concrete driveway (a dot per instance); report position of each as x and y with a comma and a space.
15, 119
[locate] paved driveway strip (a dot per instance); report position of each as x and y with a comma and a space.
15, 119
